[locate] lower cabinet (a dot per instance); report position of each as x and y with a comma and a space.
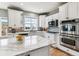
54, 39
43, 51
24, 54
70, 51
40, 52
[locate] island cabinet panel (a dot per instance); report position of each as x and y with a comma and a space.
43, 51
24, 54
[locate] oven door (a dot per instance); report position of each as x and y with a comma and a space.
68, 42
68, 28
77, 44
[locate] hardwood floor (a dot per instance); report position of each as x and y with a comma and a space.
57, 52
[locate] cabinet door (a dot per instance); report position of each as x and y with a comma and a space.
78, 9
11, 14
73, 10
44, 51
18, 19
63, 10
42, 20
24, 54
51, 38
56, 16
15, 18
46, 21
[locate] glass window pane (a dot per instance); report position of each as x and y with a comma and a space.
30, 22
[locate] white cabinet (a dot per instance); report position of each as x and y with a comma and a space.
55, 16
18, 18
63, 11
47, 20
11, 14
42, 20
15, 18
50, 37
42, 51
51, 17
69, 11
78, 9
54, 39
72, 10
70, 51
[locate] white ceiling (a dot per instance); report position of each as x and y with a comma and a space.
37, 7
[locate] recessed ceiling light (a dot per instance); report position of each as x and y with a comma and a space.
21, 4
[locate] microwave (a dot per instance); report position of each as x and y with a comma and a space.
53, 23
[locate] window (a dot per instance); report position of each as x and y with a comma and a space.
3, 19
30, 23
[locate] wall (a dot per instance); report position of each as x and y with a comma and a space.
3, 13
54, 11
27, 14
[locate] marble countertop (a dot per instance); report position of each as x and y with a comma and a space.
10, 46
12, 34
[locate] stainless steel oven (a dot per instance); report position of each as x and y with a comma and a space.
70, 26
70, 42
70, 34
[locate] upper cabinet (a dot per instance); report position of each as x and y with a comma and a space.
78, 9
42, 20
73, 10
63, 11
51, 17
69, 11
15, 18
48, 18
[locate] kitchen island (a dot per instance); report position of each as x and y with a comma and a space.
12, 47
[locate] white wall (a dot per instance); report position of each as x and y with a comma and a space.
3, 13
